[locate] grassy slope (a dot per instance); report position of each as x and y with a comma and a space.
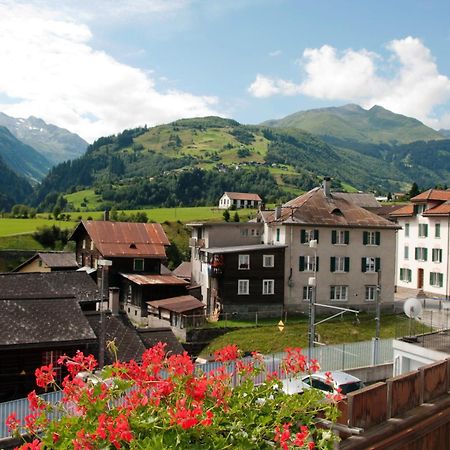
92, 203
268, 339
10, 227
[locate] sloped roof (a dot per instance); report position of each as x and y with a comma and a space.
151, 336
184, 270
40, 321
183, 303
432, 194
126, 239
362, 199
54, 260
314, 208
441, 210
42, 285
144, 280
404, 211
243, 196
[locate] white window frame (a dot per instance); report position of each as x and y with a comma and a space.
268, 261
407, 229
437, 230
339, 293
371, 293
243, 287
310, 263
371, 264
268, 287
340, 237
371, 238
244, 260
436, 255
421, 209
434, 279
421, 253
407, 275
339, 264
309, 236
406, 252
423, 230
309, 293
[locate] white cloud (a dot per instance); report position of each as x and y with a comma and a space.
275, 53
50, 68
415, 88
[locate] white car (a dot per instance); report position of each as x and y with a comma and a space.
332, 381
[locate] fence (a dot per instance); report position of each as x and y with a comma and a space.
330, 357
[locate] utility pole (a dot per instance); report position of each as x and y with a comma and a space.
101, 350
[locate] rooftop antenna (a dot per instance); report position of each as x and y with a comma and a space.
412, 308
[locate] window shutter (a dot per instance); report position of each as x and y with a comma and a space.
425, 254
416, 209
441, 279
402, 274
302, 236
316, 235
347, 236
317, 264
426, 230
365, 237
431, 278
409, 275
363, 264
347, 264
301, 264
377, 264
377, 237
416, 253
332, 264
333, 236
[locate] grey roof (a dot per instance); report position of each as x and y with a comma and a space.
151, 336
361, 199
41, 285
242, 248
184, 270
54, 260
39, 321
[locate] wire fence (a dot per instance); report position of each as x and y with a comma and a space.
330, 357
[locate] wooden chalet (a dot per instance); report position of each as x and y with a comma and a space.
48, 262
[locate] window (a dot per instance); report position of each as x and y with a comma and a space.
278, 235
406, 229
339, 293
254, 232
138, 264
421, 254
436, 279
307, 293
307, 264
92, 245
371, 292
371, 238
244, 232
268, 287
436, 255
340, 237
244, 262
243, 287
339, 264
84, 243
308, 235
437, 230
370, 264
268, 261
420, 209
406, 275
405, 252
423, 230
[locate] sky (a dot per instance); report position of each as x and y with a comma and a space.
98, 67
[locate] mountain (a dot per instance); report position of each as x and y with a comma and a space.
351, 123
56, 144
193, 161
21, 158
445, 133
13, 188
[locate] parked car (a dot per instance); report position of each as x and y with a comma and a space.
332, 381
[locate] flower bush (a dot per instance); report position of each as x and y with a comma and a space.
166, 402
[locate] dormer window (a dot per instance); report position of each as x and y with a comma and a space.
337, 212
133, 245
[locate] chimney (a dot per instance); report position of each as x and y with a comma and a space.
327, 186
114, 304
277, 212
106, 215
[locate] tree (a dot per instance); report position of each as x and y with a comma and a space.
389, 197
414, 190
226, 215
236, 217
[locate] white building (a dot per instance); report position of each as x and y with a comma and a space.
355, 250
423, 244
239, 200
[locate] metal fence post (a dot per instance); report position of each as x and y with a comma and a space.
343, 356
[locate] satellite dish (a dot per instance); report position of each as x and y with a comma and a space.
412, 308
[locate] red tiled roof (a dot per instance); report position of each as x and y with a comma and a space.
127, 239
183, 303
243, 196
440, 210
432, 194
142, 279
314, 208
404, 211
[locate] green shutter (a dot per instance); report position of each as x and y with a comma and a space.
402, 273
425, 254
333, 236
363, 264
377, 264
316, 235
365, 237
302, 236
377, 237
332, 264
426, 230
347, 236
441, 279
416, 253
301, 264
317, 264
409, 272
347, 264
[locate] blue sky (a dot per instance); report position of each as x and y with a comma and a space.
99, 68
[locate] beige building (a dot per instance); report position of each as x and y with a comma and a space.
355, 250
49, 262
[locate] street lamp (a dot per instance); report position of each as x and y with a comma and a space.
101, 351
